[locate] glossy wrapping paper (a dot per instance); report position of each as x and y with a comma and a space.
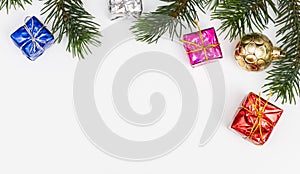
33, 38
125, 8
256, 119
202, 51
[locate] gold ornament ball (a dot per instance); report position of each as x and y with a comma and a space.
255, 52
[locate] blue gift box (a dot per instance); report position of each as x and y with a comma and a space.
33, 38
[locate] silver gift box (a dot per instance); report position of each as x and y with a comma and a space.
125, 8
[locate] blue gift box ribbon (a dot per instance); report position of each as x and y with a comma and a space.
33, 38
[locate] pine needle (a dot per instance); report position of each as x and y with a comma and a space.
8, 4
240, 17
284, 78
70, 19
171, 19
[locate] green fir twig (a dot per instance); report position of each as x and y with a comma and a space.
8, 4
283, 79
70, 19
239, 17
172, 19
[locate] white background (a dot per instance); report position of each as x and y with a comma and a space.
39, 132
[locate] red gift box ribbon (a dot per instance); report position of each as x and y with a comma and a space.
259, 113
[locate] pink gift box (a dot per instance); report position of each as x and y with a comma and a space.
202, 51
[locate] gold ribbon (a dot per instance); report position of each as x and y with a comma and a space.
259, 113
200, 47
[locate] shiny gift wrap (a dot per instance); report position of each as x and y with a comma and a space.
125, 8
256, 118
33, 38
202, 46
255, 52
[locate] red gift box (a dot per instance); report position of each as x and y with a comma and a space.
256, 118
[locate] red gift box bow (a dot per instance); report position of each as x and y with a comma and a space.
200, 47
259, 113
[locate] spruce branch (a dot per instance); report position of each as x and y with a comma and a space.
70, 19
285, 76
172, 18
8, 4
213, 4
239, 16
